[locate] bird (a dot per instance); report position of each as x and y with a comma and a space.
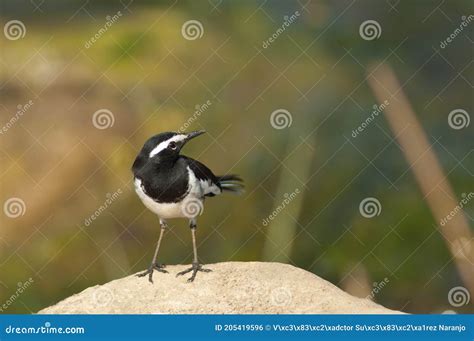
172, 185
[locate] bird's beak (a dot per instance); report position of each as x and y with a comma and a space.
194, 134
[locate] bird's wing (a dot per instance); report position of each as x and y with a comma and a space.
207, 180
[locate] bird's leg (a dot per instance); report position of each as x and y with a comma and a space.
154, 265
195, 265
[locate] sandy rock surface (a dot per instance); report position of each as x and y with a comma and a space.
231, 288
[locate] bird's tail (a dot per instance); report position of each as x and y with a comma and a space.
231, 183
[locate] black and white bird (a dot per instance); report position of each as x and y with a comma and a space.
174, 186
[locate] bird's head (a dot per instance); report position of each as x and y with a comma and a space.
163, 147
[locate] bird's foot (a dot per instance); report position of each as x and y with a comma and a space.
194, 268
156, 266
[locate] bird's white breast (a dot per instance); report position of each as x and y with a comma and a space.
163, 210
173, 210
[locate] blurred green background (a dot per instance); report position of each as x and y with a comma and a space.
151, 79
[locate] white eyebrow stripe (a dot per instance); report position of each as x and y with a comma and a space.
164, 144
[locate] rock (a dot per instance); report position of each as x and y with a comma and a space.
231, 288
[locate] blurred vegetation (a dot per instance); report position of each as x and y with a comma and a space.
152, 79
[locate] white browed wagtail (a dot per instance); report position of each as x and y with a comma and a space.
174, 186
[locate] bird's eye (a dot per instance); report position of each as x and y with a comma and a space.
173, 145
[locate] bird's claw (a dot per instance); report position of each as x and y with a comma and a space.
194, 268
149, 271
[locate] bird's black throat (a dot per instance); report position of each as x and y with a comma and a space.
165, 180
